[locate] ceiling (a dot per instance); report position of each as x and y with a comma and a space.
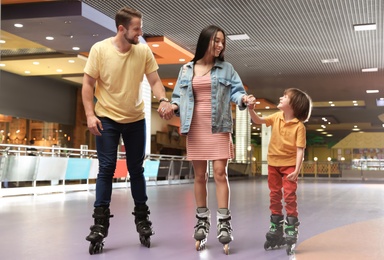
288, 43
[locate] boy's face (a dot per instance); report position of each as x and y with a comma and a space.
284, 102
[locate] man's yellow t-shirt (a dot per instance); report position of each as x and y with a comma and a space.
118, 79
286, 137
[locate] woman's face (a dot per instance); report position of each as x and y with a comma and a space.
217, 45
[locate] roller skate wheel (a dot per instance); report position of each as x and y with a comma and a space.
95, 248
226, 249
145, 241
266, 245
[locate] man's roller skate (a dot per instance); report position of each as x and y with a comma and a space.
143, 224
275, 236
203, 216
99, 230
291, 233
224, 230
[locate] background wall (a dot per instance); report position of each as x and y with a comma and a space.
38, 98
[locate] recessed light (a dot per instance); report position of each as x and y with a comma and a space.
369, 70
155, 45
330, 60
71, 61
18, 25
372, 91
237, 37
27, 72
2, 65
35, 63
329, 135
365, 27
2, 41
267, 107
76, 48
59, 70
181, 59
170, 83
49, 38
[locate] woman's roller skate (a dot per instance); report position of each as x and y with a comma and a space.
224, 230
203, 216
275, 235
143, 224
291, 233
99, 230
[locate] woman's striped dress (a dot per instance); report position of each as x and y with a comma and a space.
201, 143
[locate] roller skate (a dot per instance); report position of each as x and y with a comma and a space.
291, 233
275, 236
99, 230
224, 230
143, 224
203, 216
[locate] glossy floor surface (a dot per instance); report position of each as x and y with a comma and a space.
339, 220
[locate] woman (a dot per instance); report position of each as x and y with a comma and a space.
202, 98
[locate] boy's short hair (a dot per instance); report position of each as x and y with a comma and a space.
300, 102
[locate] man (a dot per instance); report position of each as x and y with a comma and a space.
113, 74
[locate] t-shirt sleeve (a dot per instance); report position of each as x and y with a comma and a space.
92, 66
151, 64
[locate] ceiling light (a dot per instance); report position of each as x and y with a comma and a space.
71, 61
2, 41
372, 91
181, 59
330, 60
155, 45
355, 129
267, 107
49, 38
332, 105
59, 70
27, 72
18, 25
76, 48
365, 27
2, 65
237, 37
369, 70
170, 83
35, 63
329, 135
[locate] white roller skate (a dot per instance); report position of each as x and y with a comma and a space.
224, 229
203, 216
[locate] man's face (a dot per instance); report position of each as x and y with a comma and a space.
134, 31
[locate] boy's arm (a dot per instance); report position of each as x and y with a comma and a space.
299, 161
255, 118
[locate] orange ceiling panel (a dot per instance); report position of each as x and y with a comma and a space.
168, 52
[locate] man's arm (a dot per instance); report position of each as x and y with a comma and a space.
87, 94
165, 109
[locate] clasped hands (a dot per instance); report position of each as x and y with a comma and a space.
165, 110
249, 101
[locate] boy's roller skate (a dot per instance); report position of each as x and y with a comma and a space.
203, 216
224, 230
143, 224
275, 235
291, 233
99, 230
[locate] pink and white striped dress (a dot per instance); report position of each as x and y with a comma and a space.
201, 143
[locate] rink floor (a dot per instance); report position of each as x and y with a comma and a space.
339, 220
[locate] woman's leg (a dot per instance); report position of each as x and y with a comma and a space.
200, 184
222, 184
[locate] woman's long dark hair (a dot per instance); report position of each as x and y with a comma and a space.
206, 35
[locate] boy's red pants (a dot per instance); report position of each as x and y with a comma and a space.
279, 185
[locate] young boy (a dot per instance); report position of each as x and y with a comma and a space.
285, 157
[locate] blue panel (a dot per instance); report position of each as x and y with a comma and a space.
77, 169
151, 168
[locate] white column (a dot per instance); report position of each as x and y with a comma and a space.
147, 97
243, 136
265, 138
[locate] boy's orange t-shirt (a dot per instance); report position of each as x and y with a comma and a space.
286, 137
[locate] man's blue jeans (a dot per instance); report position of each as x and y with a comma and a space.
133, 135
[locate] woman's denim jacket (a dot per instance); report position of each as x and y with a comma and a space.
226, 86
